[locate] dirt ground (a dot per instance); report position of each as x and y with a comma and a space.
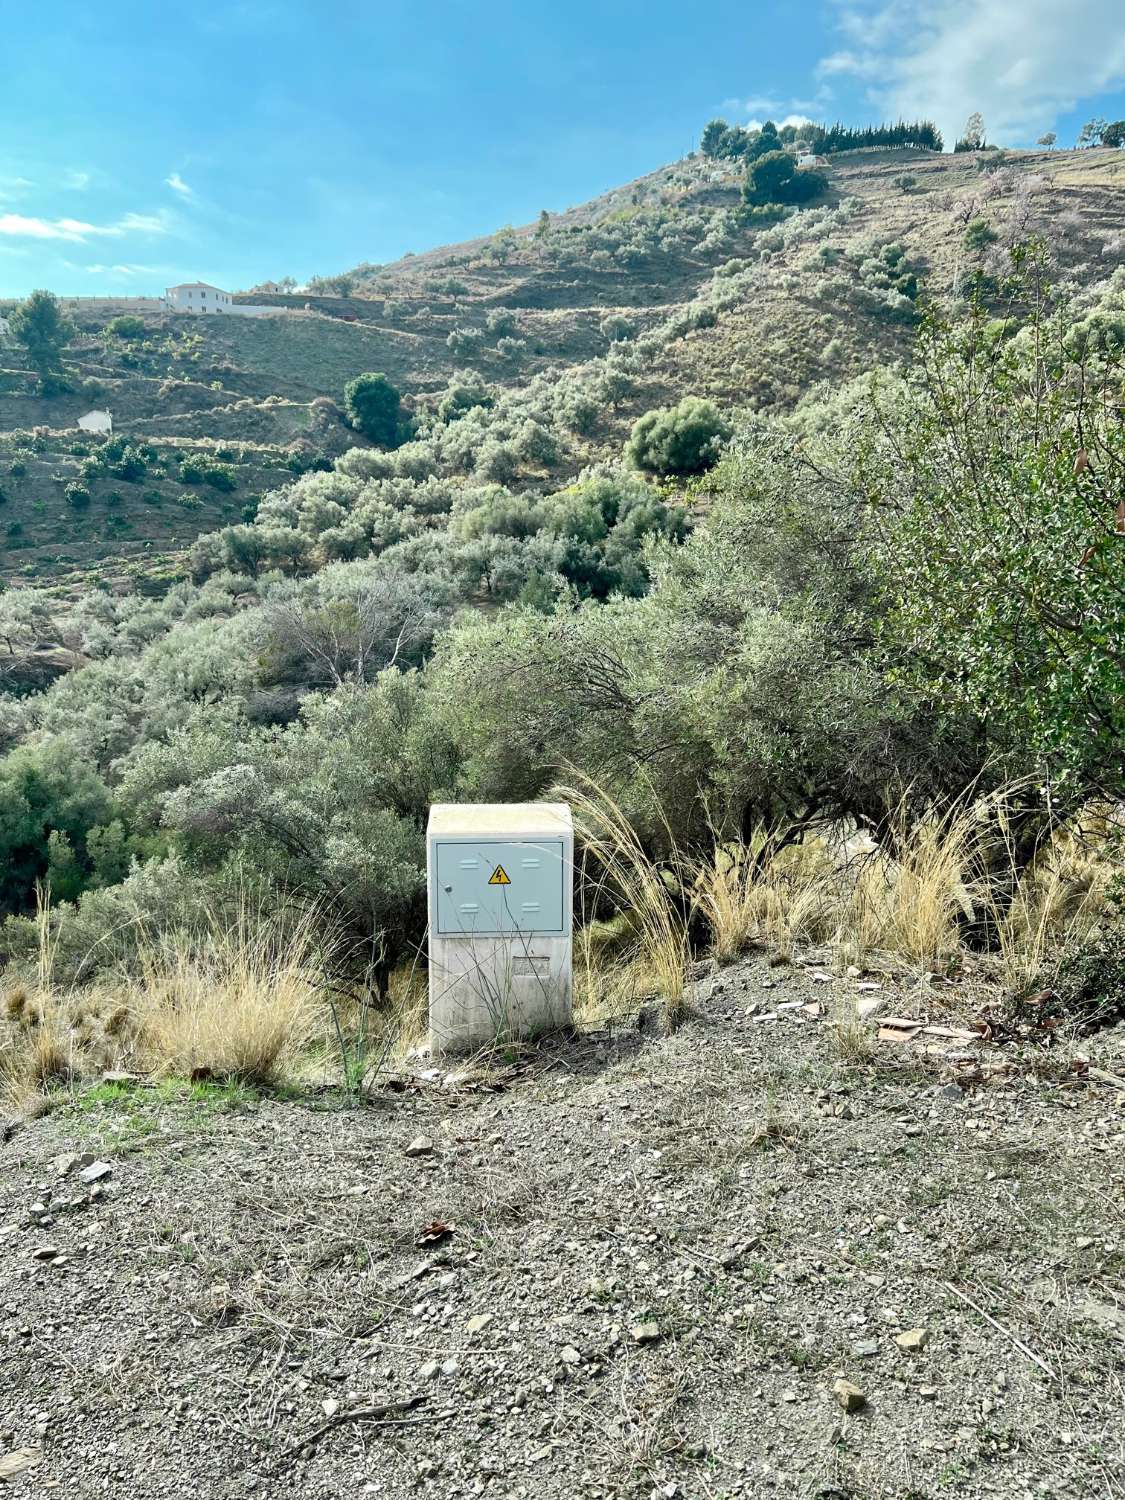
649, 1260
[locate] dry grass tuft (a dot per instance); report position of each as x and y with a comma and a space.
239, 999
616, 861
851, 1039
236, 1002
911, 899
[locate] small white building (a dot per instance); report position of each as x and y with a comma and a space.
197, 297
96, 421
202, 297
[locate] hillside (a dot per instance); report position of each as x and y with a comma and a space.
752, 317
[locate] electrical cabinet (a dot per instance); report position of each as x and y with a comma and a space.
500, 880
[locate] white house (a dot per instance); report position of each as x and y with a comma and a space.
202, 297
197, 297
96, 421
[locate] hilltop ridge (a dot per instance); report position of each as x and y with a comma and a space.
660, 280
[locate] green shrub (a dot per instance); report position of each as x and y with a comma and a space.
979, 234
18, 469
682, 439
77, 495
774, 178
1090, 989
126, 326
221, 477
373, 406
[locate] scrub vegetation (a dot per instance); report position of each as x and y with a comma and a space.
755, 631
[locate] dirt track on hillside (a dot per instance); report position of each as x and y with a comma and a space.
663, 1252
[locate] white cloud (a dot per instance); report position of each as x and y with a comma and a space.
757, 104
1020, 62
14, 187
121, 270
781, 124
76, 180
22, 226
143, 224
178, 185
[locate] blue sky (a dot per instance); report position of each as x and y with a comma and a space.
238, 140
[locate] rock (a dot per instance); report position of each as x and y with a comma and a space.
478, 1323
45, 1252
849, 1395
869, 1008
65, 1164
914, 1340
331, 1407
449, 1367
95, 1172
928, 1393
18, 1461
866, 1349
645, 1333
428, 1370
421, 1145
570, 1355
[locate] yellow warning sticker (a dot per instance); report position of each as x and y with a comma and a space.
499, 876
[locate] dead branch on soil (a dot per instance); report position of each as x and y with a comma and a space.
988, 1318
379, 1416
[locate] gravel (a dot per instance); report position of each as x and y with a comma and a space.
629, 1266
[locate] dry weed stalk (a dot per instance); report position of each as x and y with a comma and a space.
612, 849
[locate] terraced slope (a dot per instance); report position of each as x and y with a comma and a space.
749, 314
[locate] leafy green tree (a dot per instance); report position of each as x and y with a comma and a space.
374, 407
1047, 140
682, 439
764, 143
1002, 568
45, 789
714, 134
38, 324
1092, 132
906, 182
774, 178
1114, 134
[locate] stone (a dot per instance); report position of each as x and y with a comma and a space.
65, 1164
570, 1355
421, 1145
449, 1366
914, 1340
478, 1323
45, 1252
849, 1395
866, 1348
928, 1393
428, 1370
95, 1172
645, 1333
